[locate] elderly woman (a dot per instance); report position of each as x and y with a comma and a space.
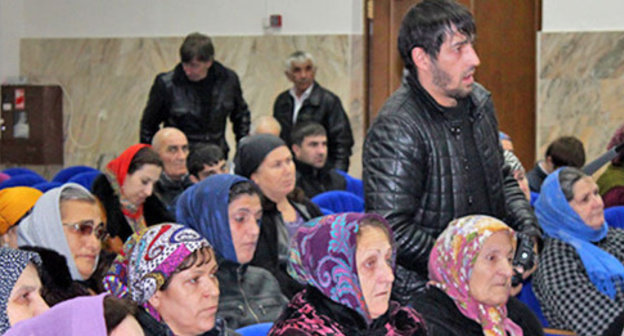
169, 270
346, 261
470, 282
67, 220
611, 182
100, 315
579, 280
15, 203
266, 160
20, 287
226, 210
125, 190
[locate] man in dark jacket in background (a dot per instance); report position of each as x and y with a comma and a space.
197, 97
314, 175
308, 101
433, 152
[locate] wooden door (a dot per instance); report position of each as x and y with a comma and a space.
506, 44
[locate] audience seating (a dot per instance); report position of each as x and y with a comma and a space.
85, 179
339, 201
534, 197
528, 298
65, 174
25, 180
45, 186
20, 171
615, 216
354, 185
260, 329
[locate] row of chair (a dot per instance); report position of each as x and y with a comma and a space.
24, 177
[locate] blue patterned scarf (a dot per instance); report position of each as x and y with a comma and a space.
560, 221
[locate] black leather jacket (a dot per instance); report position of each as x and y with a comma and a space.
414, 175
314, 181
180, 103
249, 295
325, 108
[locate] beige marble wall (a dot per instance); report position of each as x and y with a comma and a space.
580, 88
107, 80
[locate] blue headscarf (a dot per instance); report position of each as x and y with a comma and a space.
204, 208
559, 220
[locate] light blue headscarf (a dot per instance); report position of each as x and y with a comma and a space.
559, 220
204, 208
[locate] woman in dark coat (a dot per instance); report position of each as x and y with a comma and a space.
266, 160
125, 189
470, 283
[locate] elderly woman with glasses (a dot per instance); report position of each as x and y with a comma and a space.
68, 220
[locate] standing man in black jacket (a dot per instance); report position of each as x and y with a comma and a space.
197, 97
433, 152
308, 101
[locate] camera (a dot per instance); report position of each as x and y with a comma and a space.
524, 257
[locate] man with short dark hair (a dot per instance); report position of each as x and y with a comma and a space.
433, 154
564, 151
314, 175
197, 97
307, 101
205, 161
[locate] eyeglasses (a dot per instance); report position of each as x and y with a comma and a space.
86, 228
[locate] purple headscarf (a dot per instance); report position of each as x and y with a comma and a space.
80, 316
322, 254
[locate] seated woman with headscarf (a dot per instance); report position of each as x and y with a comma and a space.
470, 282
226, 210
169, 270
125, 189
580, 276
68, 220
346, 261
15, 203
102, 315
20, 287
266, 160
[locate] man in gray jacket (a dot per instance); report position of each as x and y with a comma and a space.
433, 152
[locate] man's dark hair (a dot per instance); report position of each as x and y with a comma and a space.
303, 130
207, 154
427, 23
144, 156
116, 310
198, 46
566, 151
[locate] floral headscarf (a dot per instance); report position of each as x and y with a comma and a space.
322, 254
450, 266
148, 258
12, 263
204, 208
116, 171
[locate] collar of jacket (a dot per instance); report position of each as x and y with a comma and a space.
308, 169
168, 183
478, 96
346, 317
315, 96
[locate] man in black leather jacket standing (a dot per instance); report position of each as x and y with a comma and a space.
433, 152
308, 101
197, 97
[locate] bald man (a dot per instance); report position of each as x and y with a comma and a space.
173, 148
266, 125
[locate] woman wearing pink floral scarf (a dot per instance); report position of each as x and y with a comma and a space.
470, 282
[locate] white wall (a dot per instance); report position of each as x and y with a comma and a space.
134, 18
582, 15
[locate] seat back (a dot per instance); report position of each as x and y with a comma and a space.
25, 180
534, 197
615, 216
65, 174
45, 186
260, 329
527, 296
354, 185
339, 201
85, 179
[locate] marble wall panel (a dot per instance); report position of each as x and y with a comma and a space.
580, 88
106, 82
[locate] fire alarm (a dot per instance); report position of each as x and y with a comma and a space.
275, 21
